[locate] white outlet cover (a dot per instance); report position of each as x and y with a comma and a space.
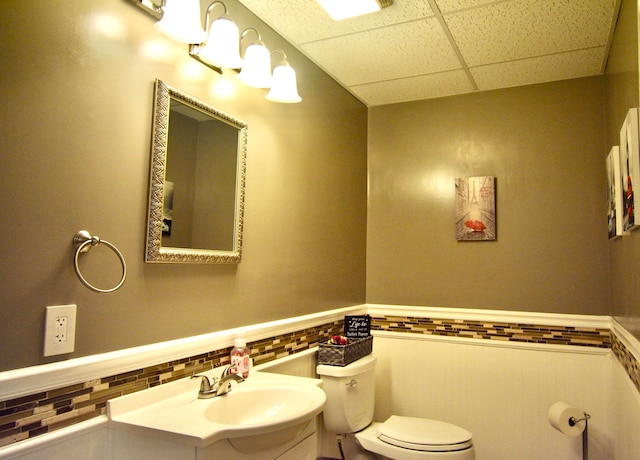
60, 330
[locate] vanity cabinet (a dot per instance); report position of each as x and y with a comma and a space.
298, 444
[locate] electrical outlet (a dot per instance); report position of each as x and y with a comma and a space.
60, 330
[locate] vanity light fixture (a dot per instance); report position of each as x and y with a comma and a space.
284, 87
341, 9
256, 69
222, 47
181, 21
218, 46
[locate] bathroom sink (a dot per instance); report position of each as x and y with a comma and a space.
264, 406
267, 405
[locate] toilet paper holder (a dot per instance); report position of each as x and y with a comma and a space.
564, 418
574, 421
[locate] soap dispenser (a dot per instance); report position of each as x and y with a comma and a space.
240, 361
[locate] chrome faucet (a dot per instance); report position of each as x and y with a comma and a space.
218, 387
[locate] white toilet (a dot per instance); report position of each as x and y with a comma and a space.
350, 400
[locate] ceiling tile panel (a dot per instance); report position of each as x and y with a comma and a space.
529, 28
304, 21
414, 88
405, 50
542, 69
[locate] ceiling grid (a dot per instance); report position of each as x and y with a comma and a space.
420, 49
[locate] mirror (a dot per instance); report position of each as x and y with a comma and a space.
196, 188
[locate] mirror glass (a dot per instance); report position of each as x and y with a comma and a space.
196, 196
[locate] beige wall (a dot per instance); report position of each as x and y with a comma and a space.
622, 93
545, 145
74, 154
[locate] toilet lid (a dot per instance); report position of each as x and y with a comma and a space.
424, 434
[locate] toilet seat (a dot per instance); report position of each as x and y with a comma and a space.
424, 434
369, 441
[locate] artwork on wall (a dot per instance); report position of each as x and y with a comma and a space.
614, 193
630, 168
476, 209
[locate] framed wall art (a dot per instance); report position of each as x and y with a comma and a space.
476, 209
614, 194
630, 169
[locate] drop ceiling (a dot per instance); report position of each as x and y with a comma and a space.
421, 49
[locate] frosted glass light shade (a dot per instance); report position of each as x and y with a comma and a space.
284, 87
256, 69
343, 9
223, 45
181, 21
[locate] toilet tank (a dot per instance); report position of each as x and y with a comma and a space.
350, 394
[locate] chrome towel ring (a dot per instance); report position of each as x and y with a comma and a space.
83, 241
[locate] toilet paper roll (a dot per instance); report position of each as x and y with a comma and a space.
560, 415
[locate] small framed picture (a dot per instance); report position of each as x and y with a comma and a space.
630, 168
614, 194
476, 209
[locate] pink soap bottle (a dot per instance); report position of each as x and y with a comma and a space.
240, 359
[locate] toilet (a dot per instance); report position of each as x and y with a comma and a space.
350, 394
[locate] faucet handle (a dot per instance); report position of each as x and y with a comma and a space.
230, 370
205, 384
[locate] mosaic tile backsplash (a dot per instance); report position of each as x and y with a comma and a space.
628, 361
29, 416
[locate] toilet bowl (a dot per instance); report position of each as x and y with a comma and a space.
349, 410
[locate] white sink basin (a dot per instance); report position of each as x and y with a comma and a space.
264, 404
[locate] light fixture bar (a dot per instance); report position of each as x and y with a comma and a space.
218, 46
194, 52
344, 9
154, 9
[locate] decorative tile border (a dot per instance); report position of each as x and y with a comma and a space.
628, 361
29, 416
484, 330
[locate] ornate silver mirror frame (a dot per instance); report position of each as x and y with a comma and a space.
155, 251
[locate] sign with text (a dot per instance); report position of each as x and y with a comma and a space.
357, 326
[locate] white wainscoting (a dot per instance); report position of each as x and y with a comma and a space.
626, 415
85, 441
301, 364
501, 393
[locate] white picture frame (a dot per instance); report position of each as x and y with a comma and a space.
614, 194
630, 169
